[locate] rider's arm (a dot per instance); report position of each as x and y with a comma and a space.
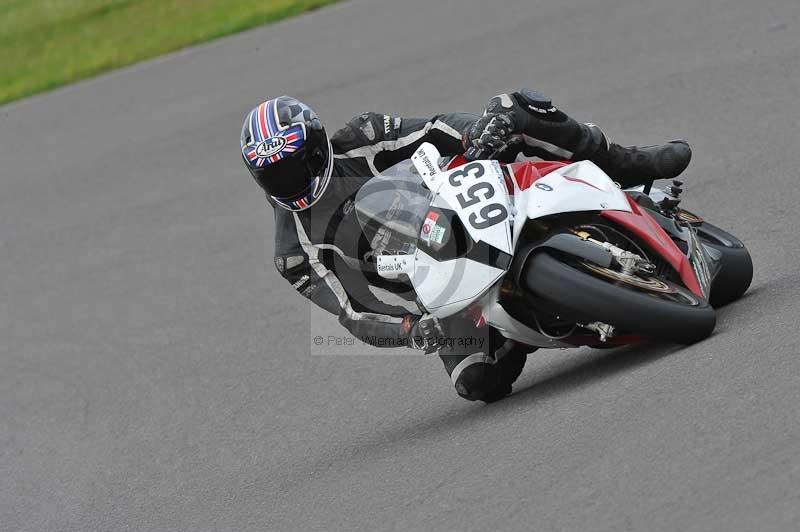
346, 295
294, 264
366, 317
383, 141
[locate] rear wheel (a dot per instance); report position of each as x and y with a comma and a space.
642, 305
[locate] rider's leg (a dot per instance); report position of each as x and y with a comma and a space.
550, 134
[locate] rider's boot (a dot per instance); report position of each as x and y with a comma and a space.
632, 165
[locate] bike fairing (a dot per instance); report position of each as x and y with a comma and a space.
578, 189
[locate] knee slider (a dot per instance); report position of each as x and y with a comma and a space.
538, 107
476, 381
538, 101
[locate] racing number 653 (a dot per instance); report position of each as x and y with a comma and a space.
490, 214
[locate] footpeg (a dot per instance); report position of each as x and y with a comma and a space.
605, 330
673, 197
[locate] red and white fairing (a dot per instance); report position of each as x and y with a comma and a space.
576, 187
534, 190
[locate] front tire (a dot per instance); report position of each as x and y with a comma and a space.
736, 273
586, 297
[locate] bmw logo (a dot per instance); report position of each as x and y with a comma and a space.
271, 146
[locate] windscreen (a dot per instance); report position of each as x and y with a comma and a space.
391, 209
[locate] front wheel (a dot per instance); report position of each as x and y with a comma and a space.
651, 307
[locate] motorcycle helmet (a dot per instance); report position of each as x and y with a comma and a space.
287, 151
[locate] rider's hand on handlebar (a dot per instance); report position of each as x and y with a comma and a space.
490, 136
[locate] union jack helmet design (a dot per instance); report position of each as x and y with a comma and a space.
287, 152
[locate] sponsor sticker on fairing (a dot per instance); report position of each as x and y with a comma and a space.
437, 234
428, 226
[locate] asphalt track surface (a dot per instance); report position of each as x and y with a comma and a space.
157, 374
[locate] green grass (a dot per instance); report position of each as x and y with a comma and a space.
48, 43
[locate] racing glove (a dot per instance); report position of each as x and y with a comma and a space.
491, 137
424, 333
430, 334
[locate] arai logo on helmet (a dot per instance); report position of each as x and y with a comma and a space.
271, 146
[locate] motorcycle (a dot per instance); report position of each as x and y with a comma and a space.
550, 254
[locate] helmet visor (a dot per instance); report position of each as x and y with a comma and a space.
293, 176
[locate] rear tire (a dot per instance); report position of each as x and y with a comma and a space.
586, 297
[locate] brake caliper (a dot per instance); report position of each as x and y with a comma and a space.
605, 330
630, 263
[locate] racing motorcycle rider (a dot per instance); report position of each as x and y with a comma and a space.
311, 181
